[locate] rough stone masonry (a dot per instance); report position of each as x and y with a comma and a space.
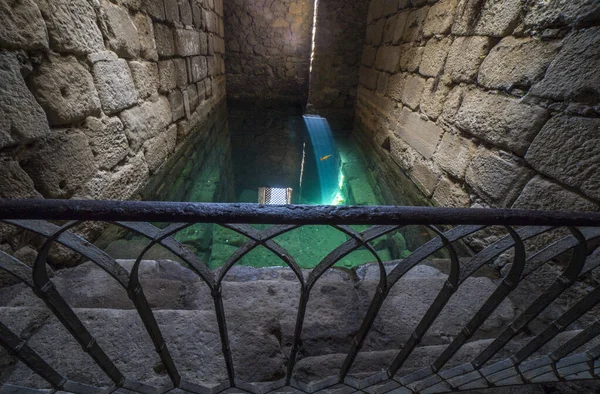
96, 95
486, 103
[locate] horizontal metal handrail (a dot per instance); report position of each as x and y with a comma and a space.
185, 212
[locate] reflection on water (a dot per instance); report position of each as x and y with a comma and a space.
242, 152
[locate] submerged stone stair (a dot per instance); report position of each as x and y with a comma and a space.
260, 306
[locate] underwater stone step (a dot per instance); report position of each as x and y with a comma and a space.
361, 192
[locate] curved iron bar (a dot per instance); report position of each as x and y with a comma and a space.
369, 318
443, 297
46, 290
563, 281
64, 313
19, 348
136, 293
172, 245
427, 376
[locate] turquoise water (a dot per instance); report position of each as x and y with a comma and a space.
242, 154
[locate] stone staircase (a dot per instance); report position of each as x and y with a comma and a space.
260, 307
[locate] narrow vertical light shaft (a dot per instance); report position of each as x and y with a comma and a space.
314, 34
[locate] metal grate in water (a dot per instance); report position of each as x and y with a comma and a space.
274, 195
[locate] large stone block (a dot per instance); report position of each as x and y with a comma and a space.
387, 58
119, 29
450, 194
573, 75
543, 194
15, 182
167, 75
568, 150
181, 72
54, 176
414, 24
146, 121
145, 77
401, 20
22, 25
497, 177
185, 12
487, 17
440, 18
517, 63
107, 141
553, 13
465, 56
177, 104
145, 30
368, 78
163, 35
434, 56
375, 33
410, 57
454, 154
172, 10
199, 68
425, 175
72, 26
18, 125
413, 89
66, 91
155, 9
422, 135
434, 95
500, 120
114, 82
157, 149
395, 86
121, 184
187, 42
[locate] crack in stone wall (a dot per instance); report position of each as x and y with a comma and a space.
96, 95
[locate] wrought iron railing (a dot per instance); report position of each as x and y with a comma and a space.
451, 227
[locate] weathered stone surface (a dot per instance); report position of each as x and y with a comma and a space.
181, 73
172, 10
145, 30
542, 193
115, 84
119, 29
192, 97
395, 87
177, 104
454, 154
568, 150
368, 77
368, 56
54, 176
18, 126
517, 63
15, 182
401, 20
146, 121
555, 13
389, 30
410, 57
167, 75
434, 94
22, 26
387, 58
199, 68
185, 12
420, 134
122, 184
573, 74
425, 175
71, 26
375, 32
414, 24
487, 18
440, 18
163, 36
450, 194
107, 141
434, 56
158, 148
145, 77
502, 121
413, 89
155, 8
187, 42
382, 84
465, 56
65, 89
497, 176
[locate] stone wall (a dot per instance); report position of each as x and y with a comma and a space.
339, 40
268, 50
486, 103
95, 95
